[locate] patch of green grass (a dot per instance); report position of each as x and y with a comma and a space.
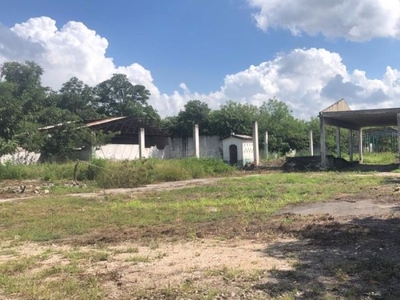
242, 198
17, 266
138, 259
93, 256
375, 158
56, 282
127, 250
384, 158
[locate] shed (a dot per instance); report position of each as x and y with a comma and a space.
237, 149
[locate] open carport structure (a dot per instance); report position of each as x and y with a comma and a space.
341, 116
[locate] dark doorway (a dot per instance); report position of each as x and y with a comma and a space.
233, 157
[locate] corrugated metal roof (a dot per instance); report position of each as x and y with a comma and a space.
54, 126
104, 121
239, 136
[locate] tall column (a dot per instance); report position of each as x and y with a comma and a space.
141, 143
360, 145
196, 140
398, 133
338, 153
266, 145
351, 146
255, 143
311, 143
322, 144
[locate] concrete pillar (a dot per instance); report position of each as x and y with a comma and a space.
142, 144
398, 133
360, 145
255, 143
196, 140
351, 146
266, 145
311, 144
338, 153
323, 145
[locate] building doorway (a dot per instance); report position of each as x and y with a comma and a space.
233, 155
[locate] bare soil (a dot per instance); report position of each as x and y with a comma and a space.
345, 248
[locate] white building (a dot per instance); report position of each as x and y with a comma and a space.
238, 149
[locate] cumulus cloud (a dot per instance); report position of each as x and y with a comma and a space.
308, 80
356, 20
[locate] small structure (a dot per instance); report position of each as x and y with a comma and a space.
237, 149
341, 116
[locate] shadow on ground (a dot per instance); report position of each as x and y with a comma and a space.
313, 163
351, 259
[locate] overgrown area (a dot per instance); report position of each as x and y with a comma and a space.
222, 240
119, 174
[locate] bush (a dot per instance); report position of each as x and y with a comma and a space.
170, 171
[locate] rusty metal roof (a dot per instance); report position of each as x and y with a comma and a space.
92, 123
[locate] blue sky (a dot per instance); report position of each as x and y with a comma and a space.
204, 49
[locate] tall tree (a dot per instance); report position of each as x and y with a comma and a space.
117, 96
29, 91
10, 117
78, 98
25, 76
285, 132
233, 117
195, 112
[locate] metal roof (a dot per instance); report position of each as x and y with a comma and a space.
239, 136
356, 119
127, 126
92, 123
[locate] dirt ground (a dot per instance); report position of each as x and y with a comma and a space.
346, 248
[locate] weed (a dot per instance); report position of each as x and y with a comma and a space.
138, 259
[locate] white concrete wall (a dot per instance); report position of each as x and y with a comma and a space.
210, 146
248, 154
21, 156
126, 152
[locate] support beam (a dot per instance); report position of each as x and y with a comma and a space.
322, 143
196, 142
266, 145
341, 124
351, 144
311, 143
141, 143
255, 144
360, 145
338, 152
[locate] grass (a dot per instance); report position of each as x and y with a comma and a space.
375, 158
119, 174
56, 282
245, 198
146, 217
384, 158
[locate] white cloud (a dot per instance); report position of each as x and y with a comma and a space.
355, 20
308, 80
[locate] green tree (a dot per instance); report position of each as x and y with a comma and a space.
195, 112
29, 91
78, 98
10, 117
62, 140
285, 132
117, 96
233, 117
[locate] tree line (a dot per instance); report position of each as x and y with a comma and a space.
26, 105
